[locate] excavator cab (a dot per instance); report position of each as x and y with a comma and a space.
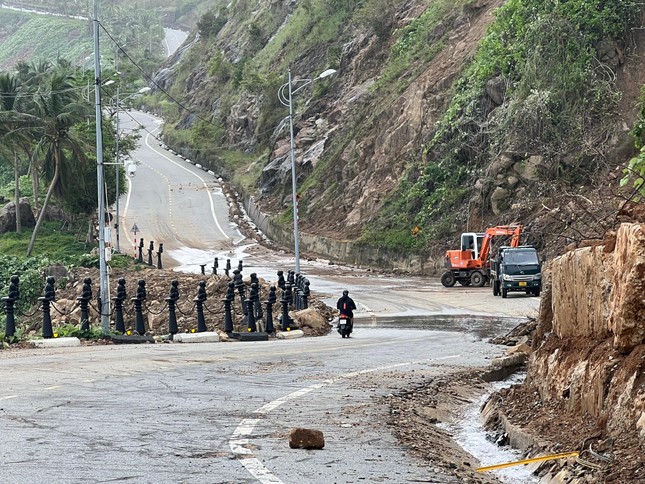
471, 245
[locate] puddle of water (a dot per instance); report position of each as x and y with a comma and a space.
483, 327
472, 437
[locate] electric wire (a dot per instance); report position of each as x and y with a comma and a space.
170, 97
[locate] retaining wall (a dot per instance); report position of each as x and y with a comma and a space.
345, 251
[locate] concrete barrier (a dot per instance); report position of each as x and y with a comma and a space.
296, 333
55, 342
205, 337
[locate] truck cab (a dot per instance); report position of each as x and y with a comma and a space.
516, 269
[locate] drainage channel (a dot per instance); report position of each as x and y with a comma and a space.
470, 434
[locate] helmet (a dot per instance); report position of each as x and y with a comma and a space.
345, 292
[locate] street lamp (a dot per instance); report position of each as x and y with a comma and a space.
143, 90
285, 96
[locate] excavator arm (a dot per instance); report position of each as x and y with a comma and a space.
513, 230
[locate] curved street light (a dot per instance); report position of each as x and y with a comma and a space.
285, 96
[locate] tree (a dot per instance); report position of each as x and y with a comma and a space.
56, 108
12, 134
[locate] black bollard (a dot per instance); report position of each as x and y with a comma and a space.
49, 297
228, 317
281, 280
305, 295
159, 252
119, 325
251, 326
269, 328
291, 276
240, 266
286, 323
9, 301
140, 260
140, 326
172, 299
241, 289
255, 298
289, 293
151, 249
228, 267
296, 298
215, 266
257, 305
203, 266
84, 300
199, 301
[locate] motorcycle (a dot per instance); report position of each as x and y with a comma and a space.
345, 325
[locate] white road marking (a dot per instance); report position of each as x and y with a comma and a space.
208, 192
9, 397
239, 441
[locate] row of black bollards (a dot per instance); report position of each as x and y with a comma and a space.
295, 292
151, 250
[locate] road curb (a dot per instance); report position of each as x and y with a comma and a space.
205, 337
255, 336
132, 339
296, 333
56, 342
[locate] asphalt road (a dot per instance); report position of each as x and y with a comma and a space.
173, 40
221, 412
171, 201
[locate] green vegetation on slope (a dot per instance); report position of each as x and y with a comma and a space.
44, 38
558, 97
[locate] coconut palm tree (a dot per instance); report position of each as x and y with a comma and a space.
12, 132
56, 107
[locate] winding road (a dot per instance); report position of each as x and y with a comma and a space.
221, 412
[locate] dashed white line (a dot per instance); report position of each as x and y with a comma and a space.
239, 440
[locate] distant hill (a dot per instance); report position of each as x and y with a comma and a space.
29, 37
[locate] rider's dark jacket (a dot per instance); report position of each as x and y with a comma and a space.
346, 306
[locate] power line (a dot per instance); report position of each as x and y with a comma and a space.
151, 80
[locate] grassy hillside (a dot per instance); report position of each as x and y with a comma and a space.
515, 103
36, 37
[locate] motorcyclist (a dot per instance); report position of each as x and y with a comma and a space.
346, 306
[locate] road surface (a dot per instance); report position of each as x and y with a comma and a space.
171, 201
221, 412
173, 40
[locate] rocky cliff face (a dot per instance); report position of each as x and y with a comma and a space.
361, 142
587, 373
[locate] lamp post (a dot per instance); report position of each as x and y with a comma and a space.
118, 163
104, 307
285, 96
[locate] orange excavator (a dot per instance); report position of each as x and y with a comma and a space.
471, 264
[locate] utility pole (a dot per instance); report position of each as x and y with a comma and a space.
118, 159
103, 275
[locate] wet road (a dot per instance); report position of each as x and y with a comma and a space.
171, 201
221, 412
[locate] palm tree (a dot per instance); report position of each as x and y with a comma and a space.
57, 107
12, 134
31, 76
